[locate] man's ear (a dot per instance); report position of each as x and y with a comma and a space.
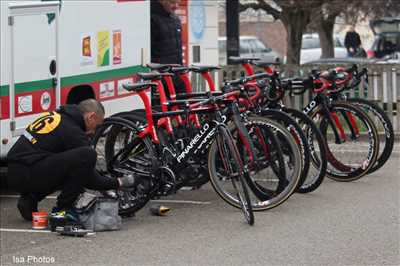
91, 115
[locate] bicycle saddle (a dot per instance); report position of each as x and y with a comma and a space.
153, 75
203, 69
266, 63
139, 86
161, 67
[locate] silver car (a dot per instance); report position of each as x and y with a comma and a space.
311, 48
250, 46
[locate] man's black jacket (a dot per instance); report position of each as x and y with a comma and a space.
352, 39
166, 40
54, 132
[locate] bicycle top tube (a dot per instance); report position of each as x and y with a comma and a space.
199, 106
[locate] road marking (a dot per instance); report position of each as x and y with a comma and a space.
160, 201
24, 230
183, 201
17, 196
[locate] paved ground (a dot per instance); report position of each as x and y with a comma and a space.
340, 224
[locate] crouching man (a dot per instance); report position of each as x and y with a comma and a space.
54, 153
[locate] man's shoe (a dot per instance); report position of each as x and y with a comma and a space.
60, 217
26, 205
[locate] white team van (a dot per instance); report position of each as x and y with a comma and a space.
57, 52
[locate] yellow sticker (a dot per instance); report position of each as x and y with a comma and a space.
46, 123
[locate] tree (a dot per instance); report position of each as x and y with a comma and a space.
323, 22
321, 14
372, 9
295, 16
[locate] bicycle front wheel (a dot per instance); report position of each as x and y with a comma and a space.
233, 167
269, 184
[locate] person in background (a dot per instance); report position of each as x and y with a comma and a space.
54, 153
166, 37
352, 42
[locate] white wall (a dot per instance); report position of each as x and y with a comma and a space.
203, 30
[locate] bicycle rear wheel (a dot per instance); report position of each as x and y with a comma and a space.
350, 157
317, 145
301, 140
120, 151
382, 123
234, 168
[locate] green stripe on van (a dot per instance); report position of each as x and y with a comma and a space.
73, 80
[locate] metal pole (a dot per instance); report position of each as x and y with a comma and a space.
11, 88
232, 29
58, 65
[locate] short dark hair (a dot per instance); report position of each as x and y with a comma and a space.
91, 105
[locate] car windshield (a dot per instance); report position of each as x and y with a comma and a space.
259, 45
338, 43
313, 43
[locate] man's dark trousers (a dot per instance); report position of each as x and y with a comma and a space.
70, 171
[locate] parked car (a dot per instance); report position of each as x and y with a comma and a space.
387, 37
311, 48
249, 46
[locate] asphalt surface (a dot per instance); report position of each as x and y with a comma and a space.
353, 223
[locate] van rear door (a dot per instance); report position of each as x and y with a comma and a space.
34, 79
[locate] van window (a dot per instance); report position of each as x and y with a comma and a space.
389, 43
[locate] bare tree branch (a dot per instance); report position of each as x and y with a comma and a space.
261, 4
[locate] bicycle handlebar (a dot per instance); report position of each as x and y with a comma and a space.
242, 81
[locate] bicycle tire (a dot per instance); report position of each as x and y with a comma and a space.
293, 176
318, 154
300, 138
380, 115
229, 154
341, 171
129, 201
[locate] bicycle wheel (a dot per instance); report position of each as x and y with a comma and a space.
121, 151
317, 145
300, 139
349, 155
234, 169
282, 151
382, 123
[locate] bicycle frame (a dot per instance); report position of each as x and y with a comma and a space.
321, 99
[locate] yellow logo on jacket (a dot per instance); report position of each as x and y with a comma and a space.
45, 123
